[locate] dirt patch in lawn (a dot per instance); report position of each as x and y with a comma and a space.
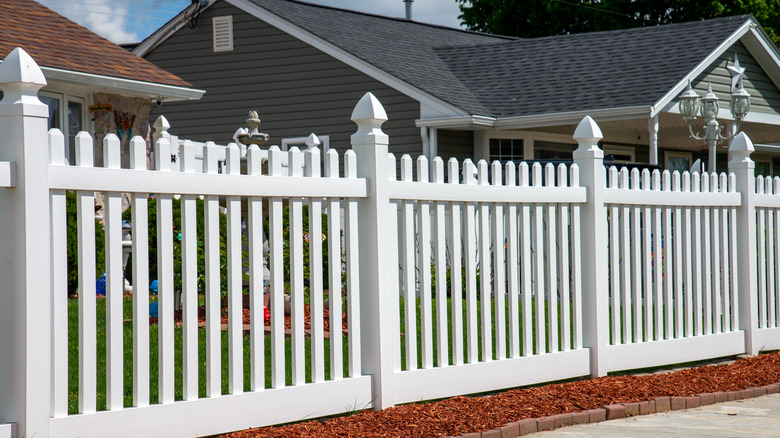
459, 415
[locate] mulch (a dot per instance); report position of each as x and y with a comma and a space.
460, 415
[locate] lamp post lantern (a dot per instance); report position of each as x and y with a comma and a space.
691, 103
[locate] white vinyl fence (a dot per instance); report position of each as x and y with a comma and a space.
450, 278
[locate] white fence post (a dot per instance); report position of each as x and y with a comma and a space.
25, 356
377, 299
745, 296
595, 311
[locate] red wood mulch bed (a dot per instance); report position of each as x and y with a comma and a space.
459, 415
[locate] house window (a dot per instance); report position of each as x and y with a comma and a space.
66, 113
763, 167
552, 150
223, 33
680, 161
506, 149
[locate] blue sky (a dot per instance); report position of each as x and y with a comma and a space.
126, 21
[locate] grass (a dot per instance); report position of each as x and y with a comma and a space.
73, 359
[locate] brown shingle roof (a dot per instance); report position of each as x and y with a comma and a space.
54, 41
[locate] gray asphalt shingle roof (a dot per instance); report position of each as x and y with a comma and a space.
497, 76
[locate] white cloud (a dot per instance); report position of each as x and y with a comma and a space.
123, 21
107, 18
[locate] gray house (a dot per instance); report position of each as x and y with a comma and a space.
451, 92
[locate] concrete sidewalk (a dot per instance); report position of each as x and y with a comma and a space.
752, 417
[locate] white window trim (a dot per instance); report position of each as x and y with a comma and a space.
222, 33
301, 141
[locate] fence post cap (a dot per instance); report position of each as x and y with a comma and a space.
368, 109
19, 66
740, 148
588, 131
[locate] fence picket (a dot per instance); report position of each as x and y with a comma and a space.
552, 266
733, 257
440, 267
85, 205
312, 170
59, 284
140, 220
576, 269
469, 255
334, 270
688, 244
353, 271
298, 353
670, 261
483, 247
213, 289
774, 299
499, 267
526, 261
255, 239
761, 241
625, 293
648, 245
234, 280
456, 266
189, 280
714, 315
409, 281
770, 258
658, 252
706, 303
539, 291
678, 259
697, 260
564, 266
512, 266
614, 262
636, 263
424, 269
114, 283
723, 314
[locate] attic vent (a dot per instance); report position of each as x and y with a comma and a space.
223, 33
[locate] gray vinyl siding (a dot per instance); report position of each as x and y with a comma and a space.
295, 88
764, 94
458, 144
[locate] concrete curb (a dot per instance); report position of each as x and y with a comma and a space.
619, 410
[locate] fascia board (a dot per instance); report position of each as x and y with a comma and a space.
536, 120
573, 117
165, 32
468, 122
123, 86
706, 62
764, 52
347, 58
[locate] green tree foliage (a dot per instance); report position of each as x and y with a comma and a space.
535, 18
72, 243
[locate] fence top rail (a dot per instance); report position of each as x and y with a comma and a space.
263, 175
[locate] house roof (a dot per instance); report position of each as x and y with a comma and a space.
584, 71
402, 48
58, 43
500, 80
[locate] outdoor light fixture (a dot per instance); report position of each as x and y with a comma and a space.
691, 103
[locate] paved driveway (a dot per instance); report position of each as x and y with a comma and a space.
756, 417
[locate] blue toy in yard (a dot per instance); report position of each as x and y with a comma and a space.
153, 287
153, 309
100, 286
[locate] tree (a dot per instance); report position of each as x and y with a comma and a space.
535, 18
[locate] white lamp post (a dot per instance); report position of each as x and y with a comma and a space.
690, 103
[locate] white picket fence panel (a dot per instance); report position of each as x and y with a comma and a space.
554, 272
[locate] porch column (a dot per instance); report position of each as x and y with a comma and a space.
652, 131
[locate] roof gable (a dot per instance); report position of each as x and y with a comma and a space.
56, 42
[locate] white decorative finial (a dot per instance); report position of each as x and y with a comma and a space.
312, 141
369, 115
740, 149
161, 127
19, 66
588, 135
